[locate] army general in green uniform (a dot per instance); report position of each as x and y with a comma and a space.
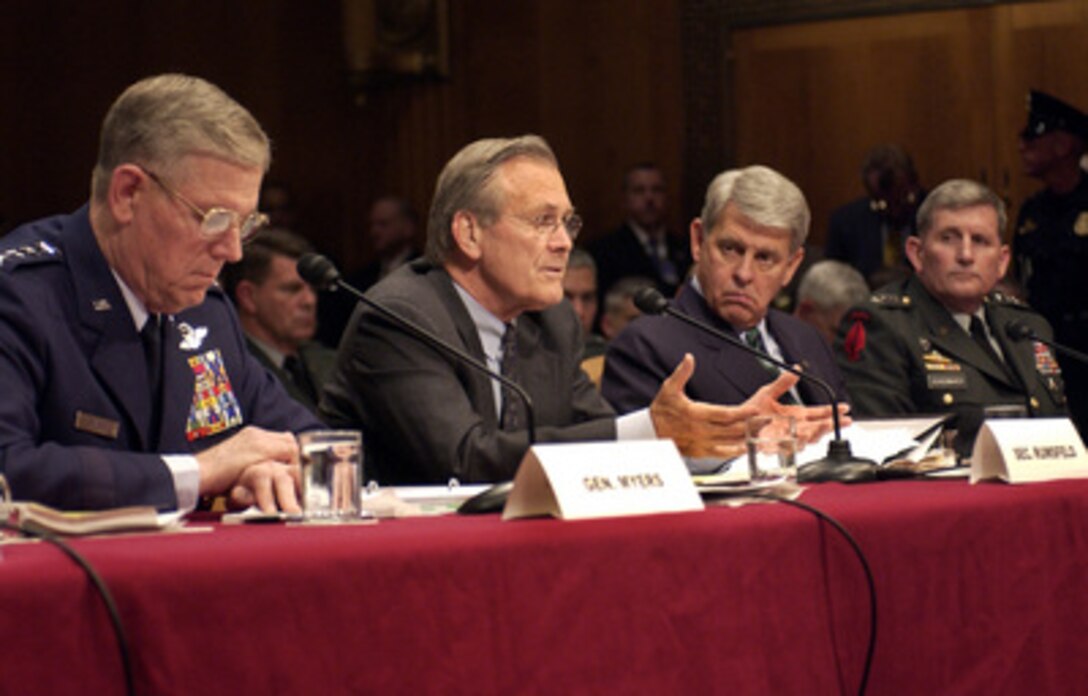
937, 342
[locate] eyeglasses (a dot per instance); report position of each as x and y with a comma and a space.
547, 223
215, 222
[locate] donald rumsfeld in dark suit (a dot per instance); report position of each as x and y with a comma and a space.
747, 244
499, 233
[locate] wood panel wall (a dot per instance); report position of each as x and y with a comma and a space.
600, 79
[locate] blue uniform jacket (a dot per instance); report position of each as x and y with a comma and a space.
75, 408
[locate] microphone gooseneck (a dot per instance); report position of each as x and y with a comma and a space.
1019, 330
840, 463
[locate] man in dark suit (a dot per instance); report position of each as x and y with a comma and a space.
126, 376
501, 229
937, 342
747, 244
869, 233
642, 245
278, 311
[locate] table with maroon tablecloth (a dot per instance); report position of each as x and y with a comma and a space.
980, 589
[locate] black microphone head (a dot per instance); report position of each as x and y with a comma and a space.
1018, 330
650, 301
318, 271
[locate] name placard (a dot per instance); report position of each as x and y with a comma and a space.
601, 479
1024, 450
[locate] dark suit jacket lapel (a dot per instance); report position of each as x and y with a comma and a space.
735, 366
794, 353
479, 385
948, 336
113, 346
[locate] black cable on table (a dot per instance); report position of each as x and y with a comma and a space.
103, 592
868, 579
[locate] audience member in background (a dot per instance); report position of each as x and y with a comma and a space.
392, 233
619, 305
500, 230
278, 311
278, 203
825, 292
747, 245
869, 233
1051, 240
642, 245
936, 342
580, 289
125, 374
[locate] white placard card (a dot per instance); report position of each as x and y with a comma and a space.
1024, 450
601, 479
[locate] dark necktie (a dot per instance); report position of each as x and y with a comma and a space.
512, 416
152, 337
978, 332
755, 339
294, 368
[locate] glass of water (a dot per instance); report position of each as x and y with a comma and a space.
772, 448
332, 474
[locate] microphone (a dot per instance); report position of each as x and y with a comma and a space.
839, 464
1018, 330
320, 272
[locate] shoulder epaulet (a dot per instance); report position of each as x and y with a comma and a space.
39, 252
891, 300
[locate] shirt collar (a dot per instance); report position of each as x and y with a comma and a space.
489, 327
136, 308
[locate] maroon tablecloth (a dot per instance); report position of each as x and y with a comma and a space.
980, 589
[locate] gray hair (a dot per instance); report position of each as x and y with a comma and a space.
956, 194
763, 196
465, 184
623, 290
160, 119
832, 284
580, 258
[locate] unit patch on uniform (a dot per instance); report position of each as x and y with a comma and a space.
215, 408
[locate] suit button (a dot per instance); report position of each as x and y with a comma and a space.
947, 399
1034, 402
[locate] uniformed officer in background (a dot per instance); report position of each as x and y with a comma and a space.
937, 342
1051, 241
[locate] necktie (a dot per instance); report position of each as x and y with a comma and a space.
152, 337
297, 372
754, 339
512, 416
978, 332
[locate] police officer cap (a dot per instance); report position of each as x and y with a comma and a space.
1047, 114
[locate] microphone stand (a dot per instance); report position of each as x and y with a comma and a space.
1018, 330
840, 464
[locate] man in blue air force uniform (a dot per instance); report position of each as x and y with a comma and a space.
126, 376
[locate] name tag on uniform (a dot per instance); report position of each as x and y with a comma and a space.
1024, 450
602, 479
97, 425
